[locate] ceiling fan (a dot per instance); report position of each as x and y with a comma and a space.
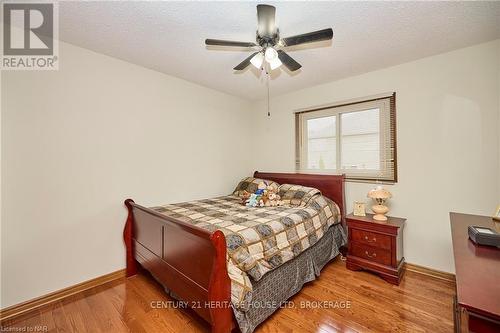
270, 44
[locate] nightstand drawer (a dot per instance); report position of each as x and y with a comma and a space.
371, 253
371, 238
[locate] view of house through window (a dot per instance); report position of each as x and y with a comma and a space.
361, 140
321, 143
356, 139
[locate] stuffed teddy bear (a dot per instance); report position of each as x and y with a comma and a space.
273, 200
264, 199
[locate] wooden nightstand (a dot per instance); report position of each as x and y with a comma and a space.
376, 246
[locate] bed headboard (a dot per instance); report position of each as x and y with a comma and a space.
331, 186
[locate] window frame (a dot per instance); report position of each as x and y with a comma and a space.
382, 102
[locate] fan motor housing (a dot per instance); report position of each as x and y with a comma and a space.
265, 41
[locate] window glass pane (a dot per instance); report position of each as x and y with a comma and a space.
321, 143
361, 140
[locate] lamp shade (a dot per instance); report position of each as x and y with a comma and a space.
257, 60
275, 63
379, 193
270, 54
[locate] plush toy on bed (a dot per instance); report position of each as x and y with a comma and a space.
244, 196
270, 198
253, 200
264, 199
274, 200
261, 188
265, 196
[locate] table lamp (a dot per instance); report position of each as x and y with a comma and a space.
379, 195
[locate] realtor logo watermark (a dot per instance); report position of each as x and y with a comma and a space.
30, 35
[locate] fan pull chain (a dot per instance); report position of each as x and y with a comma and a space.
268, 106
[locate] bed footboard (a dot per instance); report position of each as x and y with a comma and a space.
187, 260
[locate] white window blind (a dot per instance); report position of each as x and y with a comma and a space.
356, 138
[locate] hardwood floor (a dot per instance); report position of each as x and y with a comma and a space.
419, 304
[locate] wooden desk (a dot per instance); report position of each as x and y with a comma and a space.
477, 305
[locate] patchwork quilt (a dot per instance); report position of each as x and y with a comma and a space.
259, 239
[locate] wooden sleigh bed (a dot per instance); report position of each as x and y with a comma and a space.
190, 261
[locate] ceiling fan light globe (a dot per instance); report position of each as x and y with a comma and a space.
275, 63
271, 54
257, 60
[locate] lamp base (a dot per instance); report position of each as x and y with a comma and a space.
380, 217
379, 211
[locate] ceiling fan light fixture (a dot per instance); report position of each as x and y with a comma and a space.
257, 60
271, 54
275, 63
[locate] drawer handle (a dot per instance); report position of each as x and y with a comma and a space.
374, 255
373, 240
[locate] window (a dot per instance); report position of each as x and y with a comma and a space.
356, 138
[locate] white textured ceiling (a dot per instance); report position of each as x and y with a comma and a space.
169, 37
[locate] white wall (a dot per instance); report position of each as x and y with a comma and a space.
448, 146
78, 141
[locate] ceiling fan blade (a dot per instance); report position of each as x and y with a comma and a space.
220, 42
244, 64
309, 37
266, 26
288, 61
